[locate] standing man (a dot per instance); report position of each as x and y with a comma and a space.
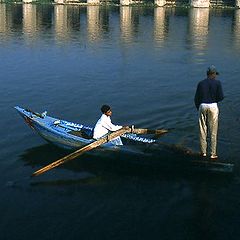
104, 125
208, 94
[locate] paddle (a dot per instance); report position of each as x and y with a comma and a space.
149, 131
80, 151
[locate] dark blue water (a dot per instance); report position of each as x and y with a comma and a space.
145, 63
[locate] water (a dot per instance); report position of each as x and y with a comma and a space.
145, 63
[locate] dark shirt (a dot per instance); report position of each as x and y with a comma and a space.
208, 91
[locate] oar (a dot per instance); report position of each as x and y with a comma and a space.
133, 129
82, 150
149, 131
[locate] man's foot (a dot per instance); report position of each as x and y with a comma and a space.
214, 157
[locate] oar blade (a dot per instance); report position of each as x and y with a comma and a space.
149, 131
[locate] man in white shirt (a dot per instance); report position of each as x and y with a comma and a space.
104, 125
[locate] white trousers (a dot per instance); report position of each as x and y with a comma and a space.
208, 123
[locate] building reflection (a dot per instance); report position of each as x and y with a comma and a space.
30, 21
93, 23
3, 18
16, 17
236, 29
104, 17
198, 27
32, 18
126, 26
159, 25
61, 22
44, 17
10, 20
73, 14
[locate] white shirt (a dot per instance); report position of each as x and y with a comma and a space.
103, 126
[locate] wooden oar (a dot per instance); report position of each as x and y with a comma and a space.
133, 130
149, 131
82, 150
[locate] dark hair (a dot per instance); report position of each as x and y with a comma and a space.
105, 108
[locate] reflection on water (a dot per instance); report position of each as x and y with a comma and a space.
198, 27
93, 23
236, 28
160, 25
3, 17
29, 21
61, 22
41, 155
126, 23
96, 168
96, 20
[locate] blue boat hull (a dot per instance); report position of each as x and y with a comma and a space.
66, 134
53, 130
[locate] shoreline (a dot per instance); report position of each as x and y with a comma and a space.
108, 4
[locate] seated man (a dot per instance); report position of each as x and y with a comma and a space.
104, 125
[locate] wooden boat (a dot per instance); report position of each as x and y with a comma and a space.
67, 134
73, 136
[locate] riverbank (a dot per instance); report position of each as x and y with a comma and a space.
228, 4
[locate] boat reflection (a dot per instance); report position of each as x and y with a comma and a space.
41, 155
147, 160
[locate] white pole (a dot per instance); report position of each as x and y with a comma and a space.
200, 3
